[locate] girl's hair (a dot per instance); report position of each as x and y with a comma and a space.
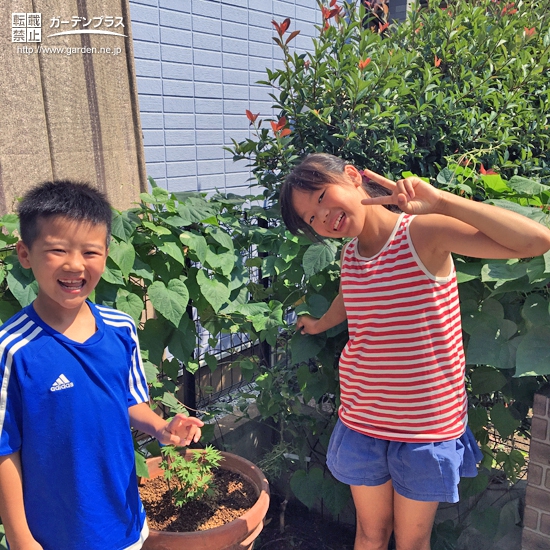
75, 201
311, 174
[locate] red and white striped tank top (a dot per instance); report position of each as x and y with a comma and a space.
402, 370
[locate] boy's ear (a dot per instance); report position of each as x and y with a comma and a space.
23, 254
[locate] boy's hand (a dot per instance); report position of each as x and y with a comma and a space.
307, 324
181, 430
412, 195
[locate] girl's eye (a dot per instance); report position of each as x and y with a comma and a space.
321, 196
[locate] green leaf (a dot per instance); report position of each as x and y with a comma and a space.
173, 250
318, 256
112, 275
215, 292
221, 237
124, 255
536, 310
477, 418
336, 496
526, 186
196, 243
471, 486
129, 303
307, 486
21, 282
305, 346
153, 338
487, 380
141, 465
533, 353
124, 224
10, 222
503, 420
170, 301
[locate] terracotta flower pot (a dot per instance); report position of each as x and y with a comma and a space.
238, 534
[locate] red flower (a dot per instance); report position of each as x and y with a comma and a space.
437, 61
487, 172
251, 116
363, 63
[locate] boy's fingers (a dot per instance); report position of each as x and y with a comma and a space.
377, 178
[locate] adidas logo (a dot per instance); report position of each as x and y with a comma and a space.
62, 383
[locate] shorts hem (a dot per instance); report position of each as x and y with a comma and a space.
427, 497
357, 482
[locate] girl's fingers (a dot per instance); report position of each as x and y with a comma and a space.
377, 178
388, 199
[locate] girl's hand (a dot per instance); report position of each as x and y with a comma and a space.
307, 324
412, 195
181, 430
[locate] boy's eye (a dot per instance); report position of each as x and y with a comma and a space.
311, 220
321, 196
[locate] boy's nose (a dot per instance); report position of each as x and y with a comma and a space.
74, 262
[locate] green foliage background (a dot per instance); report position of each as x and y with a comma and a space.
447, 94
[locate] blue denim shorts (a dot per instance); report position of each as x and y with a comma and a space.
428, 472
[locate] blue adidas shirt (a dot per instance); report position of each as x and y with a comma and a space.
64, 405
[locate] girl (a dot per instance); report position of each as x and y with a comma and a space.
401, 441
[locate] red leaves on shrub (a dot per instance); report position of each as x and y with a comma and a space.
363, 63
437, 61
489, 172
251, 116
529, 32
283, 27
279, 127
383, 27
509, 9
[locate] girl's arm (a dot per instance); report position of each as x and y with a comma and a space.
335, 315
463, 226
181, 430
12, 509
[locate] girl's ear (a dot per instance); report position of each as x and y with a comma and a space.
353, 174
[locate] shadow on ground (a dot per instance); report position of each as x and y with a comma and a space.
303, 530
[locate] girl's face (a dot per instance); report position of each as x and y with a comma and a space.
335, 209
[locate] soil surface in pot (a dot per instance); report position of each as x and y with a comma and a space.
233, 496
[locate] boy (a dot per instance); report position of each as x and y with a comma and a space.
72, 384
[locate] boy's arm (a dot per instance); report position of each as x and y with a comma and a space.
335, 315
464, 226
12, 510
181, 430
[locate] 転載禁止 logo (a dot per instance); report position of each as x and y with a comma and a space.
27, 27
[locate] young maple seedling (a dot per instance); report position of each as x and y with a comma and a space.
189, 479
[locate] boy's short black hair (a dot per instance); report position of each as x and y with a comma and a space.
76, 201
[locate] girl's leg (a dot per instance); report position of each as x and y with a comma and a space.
413, 521
374, 506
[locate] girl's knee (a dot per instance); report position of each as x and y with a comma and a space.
372, 539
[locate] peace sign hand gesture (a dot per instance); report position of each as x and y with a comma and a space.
412, 195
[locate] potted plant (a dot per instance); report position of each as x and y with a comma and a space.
189, 475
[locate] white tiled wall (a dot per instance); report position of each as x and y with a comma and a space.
198, 63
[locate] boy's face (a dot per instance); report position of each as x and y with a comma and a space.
67, 259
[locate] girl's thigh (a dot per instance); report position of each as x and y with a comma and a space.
413, 521
374, 509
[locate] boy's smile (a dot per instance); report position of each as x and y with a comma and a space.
67, 259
